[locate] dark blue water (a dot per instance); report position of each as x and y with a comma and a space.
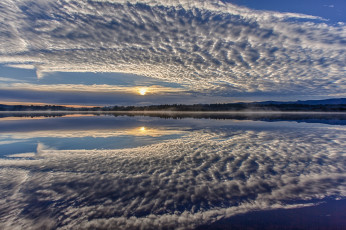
142, 172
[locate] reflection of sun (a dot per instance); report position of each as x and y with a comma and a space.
142, 91
148, 131
142, 131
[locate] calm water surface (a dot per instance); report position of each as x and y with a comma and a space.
147, 172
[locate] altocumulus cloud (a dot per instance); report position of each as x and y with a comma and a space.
182, 183
206, 46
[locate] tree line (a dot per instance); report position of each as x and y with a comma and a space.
238, 107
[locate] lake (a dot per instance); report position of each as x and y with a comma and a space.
172, 171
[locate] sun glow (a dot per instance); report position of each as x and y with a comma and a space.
142, 131
142, 91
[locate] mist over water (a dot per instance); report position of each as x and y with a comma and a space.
156, 173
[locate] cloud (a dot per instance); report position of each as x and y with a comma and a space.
22, 66
6, 80
206, 46
192, 180
94, 97
103, 88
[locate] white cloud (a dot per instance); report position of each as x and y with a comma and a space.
22, 66
6, 80
207, 46
104, 88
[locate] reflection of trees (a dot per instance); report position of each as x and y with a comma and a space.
325, 118
336, 119
32, 115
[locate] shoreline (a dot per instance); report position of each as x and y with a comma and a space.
169, 112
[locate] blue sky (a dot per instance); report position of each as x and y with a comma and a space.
163, 52
332, 10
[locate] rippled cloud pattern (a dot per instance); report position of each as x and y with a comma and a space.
206, 46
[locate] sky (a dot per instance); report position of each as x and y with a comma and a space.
142, 52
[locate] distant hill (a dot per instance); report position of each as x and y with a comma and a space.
334, 101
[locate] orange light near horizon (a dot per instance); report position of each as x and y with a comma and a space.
43, 104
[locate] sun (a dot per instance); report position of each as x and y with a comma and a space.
142, 91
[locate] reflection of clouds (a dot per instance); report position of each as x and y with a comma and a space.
8, 142
97, 133
204, 45
184, 182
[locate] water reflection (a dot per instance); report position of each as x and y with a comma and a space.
308, 117
205, 171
